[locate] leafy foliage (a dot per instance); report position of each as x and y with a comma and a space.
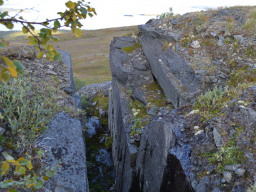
27, 106
24, 175
140, 117
210, 101
43, 40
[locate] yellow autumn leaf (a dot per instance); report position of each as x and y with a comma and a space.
13, 71
40, 55
32, 184
11, 66
29, 165
8, 61
45, 178
5, 168
70, 5
74, 18
16, 163
90, 9
50, 47
78, 32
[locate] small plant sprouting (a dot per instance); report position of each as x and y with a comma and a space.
166, 14
250, 24
210, 102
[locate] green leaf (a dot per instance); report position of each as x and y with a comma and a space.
9, 25
40, 153
12, 190
49, 174
31, 27
5, 184
19, 66
24, 162
56, 24
83, 10
57, 57
1, 2
78, 32
5, 77
7, 156
24, 30
39, 184
2, 15
70, 5
22, 170
45, 23
61, 14
32, 40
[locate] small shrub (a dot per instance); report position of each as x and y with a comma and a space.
242, 75
250, 24
27, 106
137, 126
229, 154
230, 24
166, 14
210, 101
78, 83
140, 117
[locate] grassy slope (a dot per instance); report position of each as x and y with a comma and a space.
90, 52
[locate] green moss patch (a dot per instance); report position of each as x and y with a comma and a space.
130, 49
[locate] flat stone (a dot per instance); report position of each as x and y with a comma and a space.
220, 43
195, 44
64, 143
213, 33
240, 171
227, 176
232, 167
202, 187
217, 138
51, 72
176, 78
50, 66
239, 38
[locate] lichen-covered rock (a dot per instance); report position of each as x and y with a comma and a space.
131, 69
214, 147
20, 52
64, 145
178, 81
95, 89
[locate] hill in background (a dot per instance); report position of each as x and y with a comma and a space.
90, 52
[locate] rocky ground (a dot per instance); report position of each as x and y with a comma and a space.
204, 63
45, 89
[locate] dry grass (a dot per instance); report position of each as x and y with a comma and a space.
90, 52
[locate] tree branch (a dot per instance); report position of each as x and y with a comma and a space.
28, 22
38, 40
